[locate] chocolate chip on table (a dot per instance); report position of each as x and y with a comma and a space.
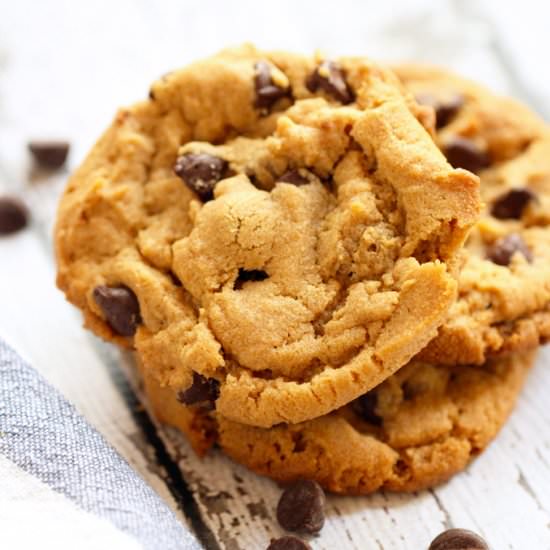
49, 154
464, 153
331, 79
288, 542
201, 390
121, 308
301, 507
502, 250
201, 172
458, 539
445, 109
365, 407
267, 91
294, 177
13, 215
511, 205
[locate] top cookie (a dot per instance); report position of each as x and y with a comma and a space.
272, 232
504, 286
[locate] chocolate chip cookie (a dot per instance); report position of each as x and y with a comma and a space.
275, 234
504, 287
418, 428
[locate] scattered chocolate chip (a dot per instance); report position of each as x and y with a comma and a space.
120, 307
294, 177
13, 215
201, 172
331, 79
511, 204
246, 275
445, 109
201, 390
267, 92
365, 407
502, 250
464, 153
49, 154
458, 539
288, 542
301, 507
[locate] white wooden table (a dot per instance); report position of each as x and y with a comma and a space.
66, 66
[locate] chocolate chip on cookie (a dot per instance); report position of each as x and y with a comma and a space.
121, 308
267, 90
330, 78
512, 204
458, 539
288, 542
294, 177
365, 407
301, 507
202, 390
464, 153
502, 251
445, 109
201, 172
13, 215
246, 275
49, 154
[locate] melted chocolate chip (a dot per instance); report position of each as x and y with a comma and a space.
512, 204
201, 172
246, 275
267, 92
464, 153
365, 407
294, 177
120, 307
289, 542
445, 109
49, 154
13, 215
201, 390
502, 251
301, 507
458, 539
330, 78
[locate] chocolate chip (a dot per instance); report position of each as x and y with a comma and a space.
267, 92
120, 307
458, 539
511, 204
464, 153
365, 407
445, 109
294, 177
289, 542
201, 390
246, 275
301, 507
331, 79
502, 251
49, 154
13, 215
201, 172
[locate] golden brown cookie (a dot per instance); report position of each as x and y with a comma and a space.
504, 286
272, 232
418, 428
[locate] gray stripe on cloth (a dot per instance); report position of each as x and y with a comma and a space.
45, 436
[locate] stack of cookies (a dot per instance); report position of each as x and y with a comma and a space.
331, 270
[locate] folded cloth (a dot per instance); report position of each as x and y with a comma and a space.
62, 484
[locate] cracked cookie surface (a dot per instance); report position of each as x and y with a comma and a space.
276, 232
504, 285
418, 428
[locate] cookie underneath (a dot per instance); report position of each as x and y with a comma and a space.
421, 426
